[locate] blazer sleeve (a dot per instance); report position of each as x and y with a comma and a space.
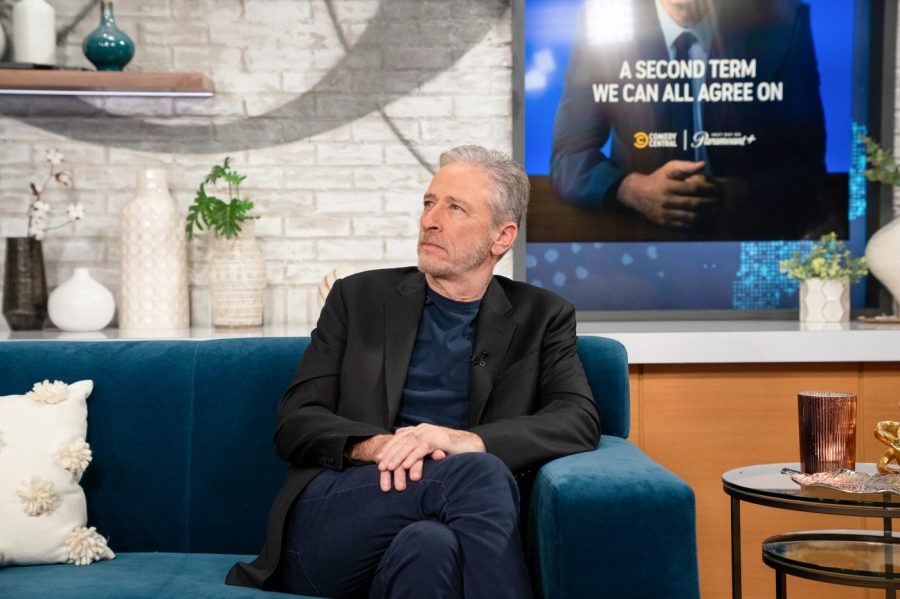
309, 431
580, 172
566, 420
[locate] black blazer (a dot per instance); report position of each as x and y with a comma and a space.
530, 401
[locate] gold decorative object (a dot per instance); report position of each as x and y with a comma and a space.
848, 481
888, 432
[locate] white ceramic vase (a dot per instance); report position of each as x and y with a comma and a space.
154, 289
883, 257
237, 280
81, 304
825, 300
34, 32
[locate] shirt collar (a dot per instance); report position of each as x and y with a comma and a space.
704, 30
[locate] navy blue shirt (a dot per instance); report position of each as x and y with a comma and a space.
437, 385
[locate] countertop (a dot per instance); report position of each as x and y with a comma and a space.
647, 342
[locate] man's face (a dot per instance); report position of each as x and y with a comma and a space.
687, 13
455, 230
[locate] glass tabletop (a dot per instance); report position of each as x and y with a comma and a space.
770, 480
843, 553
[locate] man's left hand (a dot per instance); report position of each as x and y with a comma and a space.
408, 448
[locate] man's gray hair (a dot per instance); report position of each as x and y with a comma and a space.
511, 186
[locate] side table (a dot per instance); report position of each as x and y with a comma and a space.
807, 554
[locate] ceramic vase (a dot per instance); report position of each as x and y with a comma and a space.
34, 32
81, 304
2, 41
154, 288
883, 257
24, 285
237, 280
825, 300
108, 47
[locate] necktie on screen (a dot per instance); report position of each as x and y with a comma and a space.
684, 111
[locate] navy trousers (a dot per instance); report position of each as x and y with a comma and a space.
454, 533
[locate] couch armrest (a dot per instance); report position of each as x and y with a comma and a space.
612, 523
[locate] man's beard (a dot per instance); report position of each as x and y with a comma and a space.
456, 264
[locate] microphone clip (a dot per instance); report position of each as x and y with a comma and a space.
478, 360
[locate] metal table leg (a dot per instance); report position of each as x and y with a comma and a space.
736, 548
780, 585
888, 554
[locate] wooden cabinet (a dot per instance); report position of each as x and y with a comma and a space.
702, 420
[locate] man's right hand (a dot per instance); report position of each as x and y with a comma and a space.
674, 195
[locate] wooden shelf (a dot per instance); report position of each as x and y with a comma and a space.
103, 83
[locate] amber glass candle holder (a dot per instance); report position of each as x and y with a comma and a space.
827, 431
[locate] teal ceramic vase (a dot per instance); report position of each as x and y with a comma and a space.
107, 46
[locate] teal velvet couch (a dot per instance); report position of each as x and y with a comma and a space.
184, 472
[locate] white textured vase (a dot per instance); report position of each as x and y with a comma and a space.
81, 304
237, 280
883, 257
34, 32
825, 300
154, 290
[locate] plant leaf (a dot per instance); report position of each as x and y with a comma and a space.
223, 219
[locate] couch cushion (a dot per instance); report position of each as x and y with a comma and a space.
132, 575
235, 472
181, 432
138, 426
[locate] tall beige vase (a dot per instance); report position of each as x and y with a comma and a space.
883, 256
237, 280
154, 290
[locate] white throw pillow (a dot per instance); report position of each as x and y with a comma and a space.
43, 453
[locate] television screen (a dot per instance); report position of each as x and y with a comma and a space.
679, 149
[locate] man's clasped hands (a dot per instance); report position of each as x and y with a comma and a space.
401, 456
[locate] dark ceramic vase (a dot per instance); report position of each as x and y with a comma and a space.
24, 285
108, 47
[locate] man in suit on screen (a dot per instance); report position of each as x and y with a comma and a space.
737, 152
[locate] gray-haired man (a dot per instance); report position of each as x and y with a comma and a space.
425, 395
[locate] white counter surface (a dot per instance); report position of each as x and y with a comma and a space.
740, 341
648, 342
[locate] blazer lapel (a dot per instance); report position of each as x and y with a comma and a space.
493, 332
401, 318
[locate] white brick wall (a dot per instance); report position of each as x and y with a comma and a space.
334, 185
346, 196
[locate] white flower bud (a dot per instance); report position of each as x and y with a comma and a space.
75, 211
54, 156
64, 178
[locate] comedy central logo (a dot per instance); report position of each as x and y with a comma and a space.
655, 139
641, 140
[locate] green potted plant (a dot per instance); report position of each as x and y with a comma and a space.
883, 248
825, 274
237, 270
222, 217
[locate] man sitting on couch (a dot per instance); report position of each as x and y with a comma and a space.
425, 395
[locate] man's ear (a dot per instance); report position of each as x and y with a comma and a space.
504, 237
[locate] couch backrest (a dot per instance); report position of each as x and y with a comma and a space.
606, 365
182, 430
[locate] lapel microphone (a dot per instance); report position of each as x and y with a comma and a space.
478, 360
